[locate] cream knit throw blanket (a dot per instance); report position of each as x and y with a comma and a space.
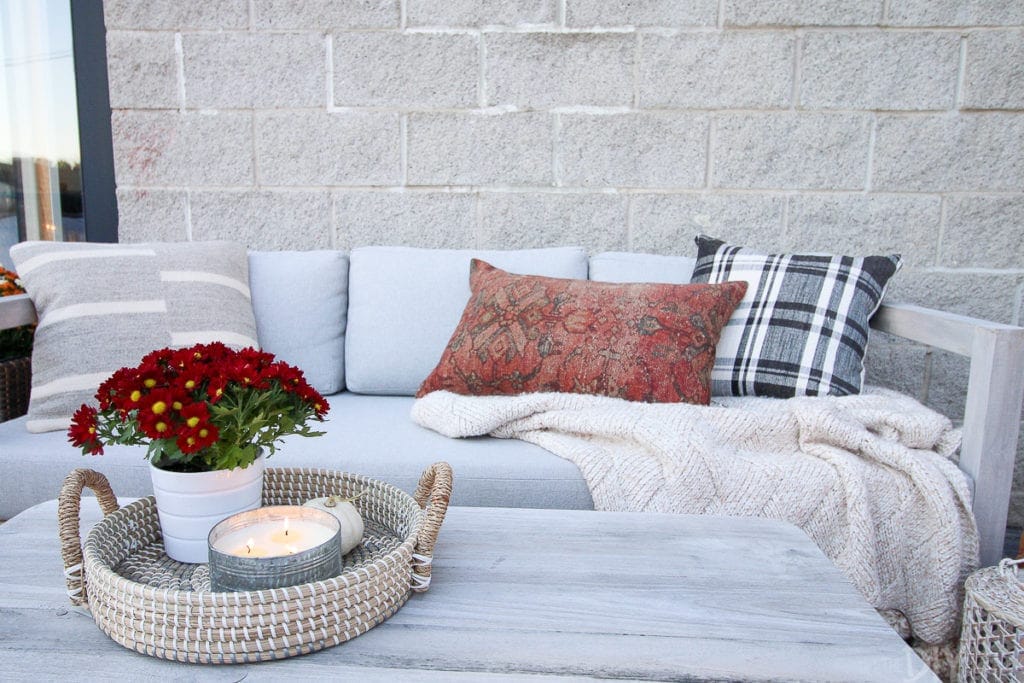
869, 477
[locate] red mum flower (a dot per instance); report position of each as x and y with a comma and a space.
82, 433
156, 414
215, 387
196, 431
189, 382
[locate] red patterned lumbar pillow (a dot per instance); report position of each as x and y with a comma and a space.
640, 342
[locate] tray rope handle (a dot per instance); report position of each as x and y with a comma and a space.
69, 506
433, 493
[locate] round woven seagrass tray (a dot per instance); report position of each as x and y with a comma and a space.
151, 604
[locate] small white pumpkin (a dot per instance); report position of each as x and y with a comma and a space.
347, 514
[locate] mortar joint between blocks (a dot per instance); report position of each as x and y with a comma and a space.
709, 150
329, 69
943, 219
482, 80
872, 135
188, 215
637, 60
556, 150
403, 148
797, 71
961, 76
179, 58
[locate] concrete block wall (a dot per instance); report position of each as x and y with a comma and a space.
864, 126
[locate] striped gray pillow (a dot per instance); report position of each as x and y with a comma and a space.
104, 306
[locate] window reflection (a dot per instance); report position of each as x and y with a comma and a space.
40, 158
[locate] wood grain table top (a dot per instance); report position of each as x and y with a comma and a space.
521, 594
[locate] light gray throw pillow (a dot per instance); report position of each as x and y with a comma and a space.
404, 304
300, 300
104, 306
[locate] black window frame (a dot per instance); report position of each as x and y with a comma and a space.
89, 47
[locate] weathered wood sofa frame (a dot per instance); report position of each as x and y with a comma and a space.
993, 405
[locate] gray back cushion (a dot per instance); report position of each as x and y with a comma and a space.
404, 304
300, 300
618, 266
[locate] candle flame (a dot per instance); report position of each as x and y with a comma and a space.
249, 545
285, 526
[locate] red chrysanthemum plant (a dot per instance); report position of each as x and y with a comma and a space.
199, 409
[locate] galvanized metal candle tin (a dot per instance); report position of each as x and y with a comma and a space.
234, 572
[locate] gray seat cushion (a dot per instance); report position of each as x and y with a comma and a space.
369, 435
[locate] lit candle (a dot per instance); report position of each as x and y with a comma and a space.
273, 538
282, 536
274, 546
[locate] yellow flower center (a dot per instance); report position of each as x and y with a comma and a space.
219, 392
190, 384
176, 405
191, 441
161, 426
135, 396
203, 433
192, 421
149, 383
159, 408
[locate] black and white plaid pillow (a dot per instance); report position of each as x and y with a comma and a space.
802, 328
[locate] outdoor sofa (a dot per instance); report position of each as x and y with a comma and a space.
368, 326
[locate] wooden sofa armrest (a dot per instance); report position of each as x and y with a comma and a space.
16, 311
992, 411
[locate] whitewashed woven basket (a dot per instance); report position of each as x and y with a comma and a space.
992, 638
149, 603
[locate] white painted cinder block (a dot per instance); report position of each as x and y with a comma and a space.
534, 70
193, 149
142, 70
476, 149
879, 70
717, 70
950, 153
317, 148
409, 71
994, 71
790, 151
263, 70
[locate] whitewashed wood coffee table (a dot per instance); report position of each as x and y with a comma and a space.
521, 593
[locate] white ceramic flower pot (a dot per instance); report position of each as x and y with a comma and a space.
190, 503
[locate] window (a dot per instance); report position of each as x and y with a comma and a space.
56, 158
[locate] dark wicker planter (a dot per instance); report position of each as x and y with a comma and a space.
15, 383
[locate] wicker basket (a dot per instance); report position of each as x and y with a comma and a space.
151, 604
992, 638
15, 384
